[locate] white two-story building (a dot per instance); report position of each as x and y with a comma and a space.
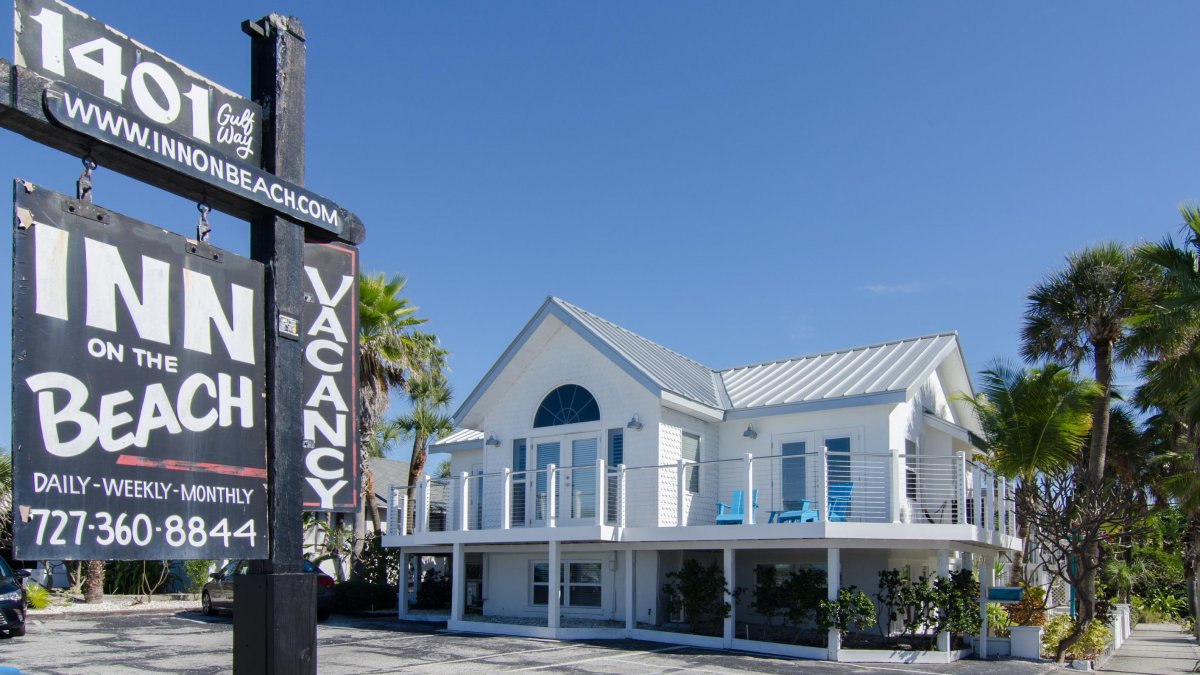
595, 461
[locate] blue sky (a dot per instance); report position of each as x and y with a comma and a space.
737, 181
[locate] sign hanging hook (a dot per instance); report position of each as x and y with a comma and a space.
83, 186
202, 227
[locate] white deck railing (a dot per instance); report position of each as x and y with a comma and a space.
825, 486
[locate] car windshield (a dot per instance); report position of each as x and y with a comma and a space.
4, 569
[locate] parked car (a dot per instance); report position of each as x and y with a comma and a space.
218, 593
13, 600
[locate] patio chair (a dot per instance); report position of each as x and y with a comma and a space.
839, 500
797, 511
733, 513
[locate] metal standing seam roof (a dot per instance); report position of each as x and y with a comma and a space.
873, 369
672, 371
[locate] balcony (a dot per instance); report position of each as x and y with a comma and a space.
884, 496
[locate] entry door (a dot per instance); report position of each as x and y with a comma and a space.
580, 482
795, 473
545, 453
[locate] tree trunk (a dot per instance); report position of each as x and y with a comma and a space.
93, 581
1100, 414
416, 465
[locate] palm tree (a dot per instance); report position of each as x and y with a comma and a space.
1078, 314
428, 418
389, 349
1034, 422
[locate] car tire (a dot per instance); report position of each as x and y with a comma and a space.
206, 605
17, 631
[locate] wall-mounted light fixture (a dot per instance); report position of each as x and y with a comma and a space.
750, 432
635, 423
492, 440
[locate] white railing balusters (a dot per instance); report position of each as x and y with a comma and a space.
748, 498
621, 487
601, 490
551, 496
961, 470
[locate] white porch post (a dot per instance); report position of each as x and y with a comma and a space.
621, 495
962, 487
989, 512
402, 515
977, 478
630, 575
833, 566
555, 580
422, 524
464, 513
506, 500
551, 497
679, 492
748, 498
601, 491
402, 592
985, 582
730, 583
823, 484
896, 488
943, 570
458, 578
1001, 499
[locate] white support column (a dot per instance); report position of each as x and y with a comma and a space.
985, 582
833, 566
943, 570
458, 579
551, 496
402, 515
402, 592
506, 500
1001, 502
679, 492
730, 583
630, 598
748, 498
622, 495
601, 491
555, 580
977, 479
962, 487
823, 483
464, 513
989, 510
422, 524
896, 486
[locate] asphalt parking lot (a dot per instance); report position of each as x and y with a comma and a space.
188, 642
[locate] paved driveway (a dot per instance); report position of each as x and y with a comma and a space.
189, 643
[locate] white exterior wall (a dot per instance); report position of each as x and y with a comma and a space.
564, 358
508, 588
699, 508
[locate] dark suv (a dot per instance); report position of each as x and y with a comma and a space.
218, 593
12, 600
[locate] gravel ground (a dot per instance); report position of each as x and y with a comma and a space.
113, 605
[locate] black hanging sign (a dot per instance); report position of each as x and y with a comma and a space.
138, 385
331, 471
62, 43
95, 117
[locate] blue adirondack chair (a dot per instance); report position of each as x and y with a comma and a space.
733, 513
839, 500
797, 511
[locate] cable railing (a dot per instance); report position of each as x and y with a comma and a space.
784, 489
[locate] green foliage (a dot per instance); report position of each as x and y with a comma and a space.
1165, 604
699, 591
958, 603
379, 565
196, 574
890, 598
38, 596
806, 589
137, 577
919, 599
1031, 610
999, 620
434, 592
770, 595
852, 608
1095, 638
363, 596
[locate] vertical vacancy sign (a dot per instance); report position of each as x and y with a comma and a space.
137, 389
331, 472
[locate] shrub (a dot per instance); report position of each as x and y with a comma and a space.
958, 603
770, 593
700, 592
999, 620
1095, 639
363, 596
1031, 610
38, 596
195, 574
137, 577
852, 608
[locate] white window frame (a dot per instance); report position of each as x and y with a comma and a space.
565, 584
695, 476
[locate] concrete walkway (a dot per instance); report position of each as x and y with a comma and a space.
1156, 648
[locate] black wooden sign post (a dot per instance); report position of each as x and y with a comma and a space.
275, 626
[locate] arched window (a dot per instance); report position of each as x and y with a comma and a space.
568, 404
